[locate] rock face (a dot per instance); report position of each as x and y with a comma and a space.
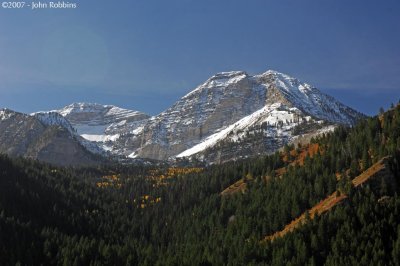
94, 114
38, 138
18, 131
206, 117
220, 101
103, 124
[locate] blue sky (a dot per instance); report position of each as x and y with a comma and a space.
144, 55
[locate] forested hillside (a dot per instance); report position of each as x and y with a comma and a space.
129, 215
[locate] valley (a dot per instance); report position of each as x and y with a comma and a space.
200, 133
305, 204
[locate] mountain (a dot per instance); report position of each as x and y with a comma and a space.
46, 137
234, 114
335, 201
102, 124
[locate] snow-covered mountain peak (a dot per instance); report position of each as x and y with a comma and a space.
224, 79
293, 92
98, 125
6, 113
261, 112
97, 113
83, 107
227, 97
54, 119
219, 81
79, 107
228, 74
271, 72
282, 80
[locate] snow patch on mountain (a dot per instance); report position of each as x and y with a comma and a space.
97, 113
228, 108
6, 114
54, 119
103, 124
270, 114
133, 155
310, 100
222, 79
100, 138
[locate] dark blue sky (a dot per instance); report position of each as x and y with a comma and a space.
144, 55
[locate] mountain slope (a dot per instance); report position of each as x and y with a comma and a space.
231, 115
220, 101
102, 124
195, 226
46, 137
379, 173
283, 106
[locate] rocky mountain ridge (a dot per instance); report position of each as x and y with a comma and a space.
231, 115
